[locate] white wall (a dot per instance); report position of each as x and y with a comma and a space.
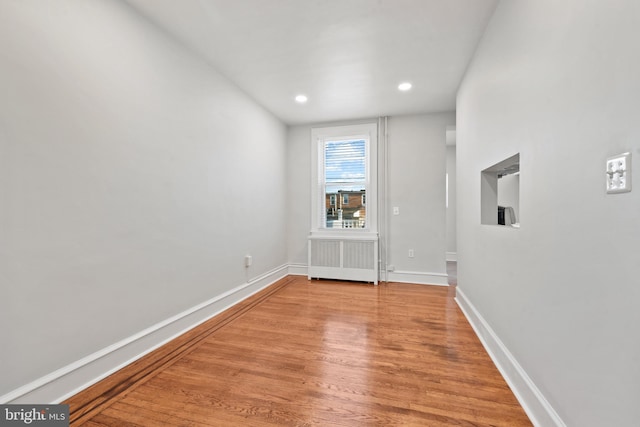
558, 83
452, 209
298, 192
416, 161
417, 164
133, 180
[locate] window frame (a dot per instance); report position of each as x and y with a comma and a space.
367, 132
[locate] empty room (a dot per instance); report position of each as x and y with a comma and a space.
319, 212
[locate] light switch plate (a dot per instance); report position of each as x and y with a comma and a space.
619, 173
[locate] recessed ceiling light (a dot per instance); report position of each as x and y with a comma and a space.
404, 86
301, 99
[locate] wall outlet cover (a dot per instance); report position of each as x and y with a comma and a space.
618, 173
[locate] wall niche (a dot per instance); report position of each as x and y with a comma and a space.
500, 193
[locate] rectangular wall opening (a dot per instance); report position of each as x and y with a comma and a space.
500, 193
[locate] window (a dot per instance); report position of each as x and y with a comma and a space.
344, 163
345, 173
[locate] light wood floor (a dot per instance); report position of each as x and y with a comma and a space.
315, 353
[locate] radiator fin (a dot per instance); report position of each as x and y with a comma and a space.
358, 254
325, 253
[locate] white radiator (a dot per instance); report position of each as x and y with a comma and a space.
344, 258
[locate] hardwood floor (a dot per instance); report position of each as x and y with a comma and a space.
315, 353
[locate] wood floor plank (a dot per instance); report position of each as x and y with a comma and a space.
320, 353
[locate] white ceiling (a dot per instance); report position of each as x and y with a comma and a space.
347, 56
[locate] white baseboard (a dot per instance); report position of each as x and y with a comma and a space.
419, 277
392, 276
298, 269
530, 397
452, 256
75, 377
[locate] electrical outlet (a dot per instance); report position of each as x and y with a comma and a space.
411, 254
619, 173
396, 210
248, 260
